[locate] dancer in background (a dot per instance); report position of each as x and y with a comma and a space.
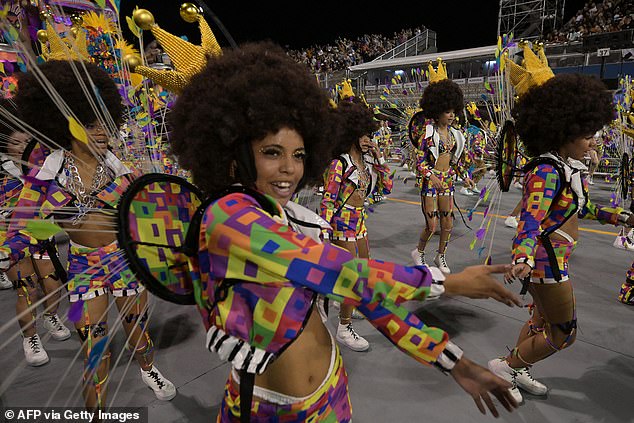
439, 162
357, 172
556, 120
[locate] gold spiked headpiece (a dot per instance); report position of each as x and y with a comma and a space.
345, 90
533, 72
437, 75
72, 47
188, 59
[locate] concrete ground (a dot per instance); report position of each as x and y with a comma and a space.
588, 382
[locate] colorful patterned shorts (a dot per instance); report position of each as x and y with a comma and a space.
94, 271
447, 178
349, 224
330, 403
543, 273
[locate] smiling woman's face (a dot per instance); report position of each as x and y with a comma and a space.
279, 163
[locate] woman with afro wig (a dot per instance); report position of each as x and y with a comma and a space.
74, 186
439, 161
557, 122
357, 171
254, 127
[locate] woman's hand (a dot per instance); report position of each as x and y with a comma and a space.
478, 282
518, 271
480, 383
436, 182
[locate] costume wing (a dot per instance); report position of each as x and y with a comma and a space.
416, 128
156, 214
507, 156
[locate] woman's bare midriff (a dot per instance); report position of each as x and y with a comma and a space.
96, 230
443, 162
356, 199
301, 369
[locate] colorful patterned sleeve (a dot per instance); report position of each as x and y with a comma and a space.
462, 166
540, 187
246, 243
333, 178
424, 164
30, 201
604, 214
385, 178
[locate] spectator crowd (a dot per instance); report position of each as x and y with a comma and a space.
346, 52
594, 18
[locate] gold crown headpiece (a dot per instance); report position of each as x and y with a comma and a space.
71, 47
437, 75
188, 59
344, 90
533, 72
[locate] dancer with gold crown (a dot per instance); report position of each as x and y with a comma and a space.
439, 161
357, 172
78, 186
556, 118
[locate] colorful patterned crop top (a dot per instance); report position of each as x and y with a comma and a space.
260, 279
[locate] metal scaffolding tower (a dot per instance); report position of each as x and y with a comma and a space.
530, 19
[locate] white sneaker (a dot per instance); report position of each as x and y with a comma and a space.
34, 351
518, 185
499, 367
5, 283
511, 222
349, 337
163, 388
590, 181
465, 191
441, 263
526, 382
55, 327
355, 313
419, 257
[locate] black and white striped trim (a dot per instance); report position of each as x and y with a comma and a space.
447, 359
236, 351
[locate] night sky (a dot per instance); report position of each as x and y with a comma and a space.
458, 24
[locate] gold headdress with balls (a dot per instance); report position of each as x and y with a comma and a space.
344, 89
188, 59
533, 72
72, 47
437, 75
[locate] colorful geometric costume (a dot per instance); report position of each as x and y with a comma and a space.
340, 182
261, 277
626, 293
430, 149
553, 192
11, 185
92, 271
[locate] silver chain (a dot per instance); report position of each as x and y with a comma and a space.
84, 201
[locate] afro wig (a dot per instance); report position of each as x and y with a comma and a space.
33, 99
440, 97
354, 120
563, 109
240, 97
